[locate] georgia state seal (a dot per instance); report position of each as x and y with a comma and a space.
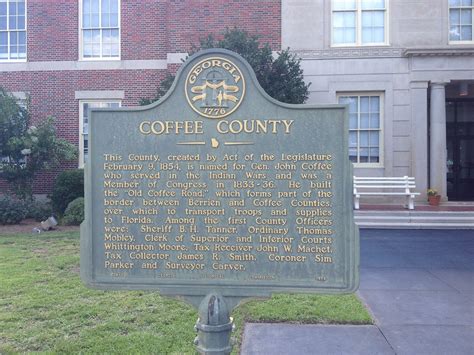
215, 87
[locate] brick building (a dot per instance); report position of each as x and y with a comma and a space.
405, 68
69, 55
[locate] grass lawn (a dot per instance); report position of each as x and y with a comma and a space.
45, 307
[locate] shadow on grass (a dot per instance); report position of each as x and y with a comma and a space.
45, 307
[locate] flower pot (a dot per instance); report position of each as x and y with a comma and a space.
434, 200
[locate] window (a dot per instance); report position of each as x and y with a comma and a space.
13, 30
22, 101
100, 29
84, 125
359, 22
460, 20
365, 126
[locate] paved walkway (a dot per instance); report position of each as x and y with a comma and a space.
419, 287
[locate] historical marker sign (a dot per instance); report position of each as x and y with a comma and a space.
218, 186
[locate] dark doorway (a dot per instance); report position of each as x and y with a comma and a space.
460, 145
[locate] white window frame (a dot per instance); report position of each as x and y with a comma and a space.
81, 123
81, 34
16, 60
381, 95
358, 26
450, 41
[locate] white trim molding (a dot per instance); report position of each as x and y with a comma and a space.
438, 51
176, 58
89, 95
351, 52
160, 64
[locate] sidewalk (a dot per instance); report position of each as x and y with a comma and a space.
419, 287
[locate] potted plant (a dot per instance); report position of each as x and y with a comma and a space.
433, 197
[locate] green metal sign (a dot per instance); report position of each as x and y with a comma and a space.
219, 187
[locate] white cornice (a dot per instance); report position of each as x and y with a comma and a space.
383, 52
350, 53
85, 65
434, 52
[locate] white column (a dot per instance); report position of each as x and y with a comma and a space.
419, 136
438, 168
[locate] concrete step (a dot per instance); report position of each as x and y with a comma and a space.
415, 219
415, 213
427, 219
414, 225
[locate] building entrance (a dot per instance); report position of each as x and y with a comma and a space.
460, 146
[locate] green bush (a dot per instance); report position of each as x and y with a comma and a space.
39, 210
74, 214
12, 211
69, 185
281, 77
27, 150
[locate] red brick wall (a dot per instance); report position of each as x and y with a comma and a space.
149, 30
191, 20
144, 33
53, 94
52, 30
